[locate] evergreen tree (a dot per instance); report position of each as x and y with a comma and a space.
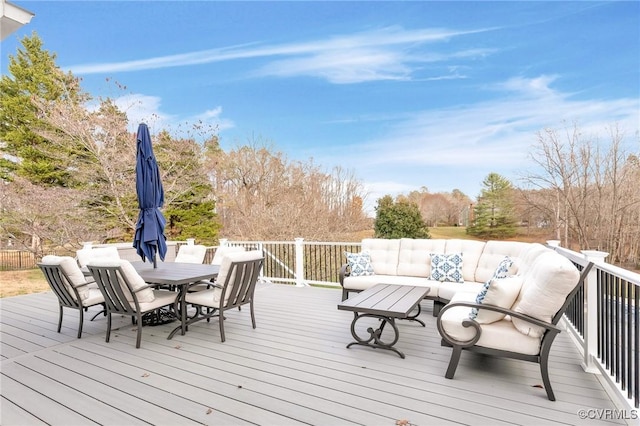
33, 74
400, 219
494, 215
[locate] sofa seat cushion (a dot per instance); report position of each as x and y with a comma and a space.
365, 282
446, 291
500, 335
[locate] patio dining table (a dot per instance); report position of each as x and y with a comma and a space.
175, 274
179, 275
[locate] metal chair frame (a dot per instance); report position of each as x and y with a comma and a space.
60, 283
238, 292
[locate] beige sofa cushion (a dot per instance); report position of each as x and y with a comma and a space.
471, 251
414, 258
500, 335
365, 282
493, 253
384, 255
545, 289
501, 292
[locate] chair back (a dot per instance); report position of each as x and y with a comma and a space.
61, 285
222, 251
240, 279
191, 253
583, 276
117, 289
86, 255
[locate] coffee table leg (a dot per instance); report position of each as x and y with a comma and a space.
415, 316
374, 339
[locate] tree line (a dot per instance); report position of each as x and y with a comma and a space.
68, 175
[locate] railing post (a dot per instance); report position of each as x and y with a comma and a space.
223, 242
590, 333
300, 263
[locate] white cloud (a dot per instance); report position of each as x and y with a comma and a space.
457, 147
141, 108
381, 54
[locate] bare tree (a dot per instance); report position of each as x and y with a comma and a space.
261, 194
593, 189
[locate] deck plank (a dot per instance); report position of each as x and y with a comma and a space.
294, 368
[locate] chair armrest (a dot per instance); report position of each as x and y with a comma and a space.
549, 327
144, 287
344, 272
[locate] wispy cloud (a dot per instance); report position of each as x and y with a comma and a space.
383, 54
473, 140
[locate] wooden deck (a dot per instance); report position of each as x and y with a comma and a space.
293, 369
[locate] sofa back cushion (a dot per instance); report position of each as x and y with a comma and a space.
528, 257
384, 255
471, 251
414, 259
493, 253
544, 290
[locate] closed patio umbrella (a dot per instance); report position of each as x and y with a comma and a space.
149, 238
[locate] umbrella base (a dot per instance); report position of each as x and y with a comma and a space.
158, 317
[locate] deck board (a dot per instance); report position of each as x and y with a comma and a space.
293, 368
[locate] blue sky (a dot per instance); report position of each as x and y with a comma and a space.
404, 94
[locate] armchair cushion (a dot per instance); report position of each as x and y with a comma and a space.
499, 292
225, 268
545, 290
70, 267
143, 292
359, 264
501, 271
191, 253
500, 335
446, 267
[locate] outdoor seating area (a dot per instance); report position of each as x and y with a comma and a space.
293, 368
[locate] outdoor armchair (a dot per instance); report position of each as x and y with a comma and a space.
234, 287
70, 286
524, 331
126, 293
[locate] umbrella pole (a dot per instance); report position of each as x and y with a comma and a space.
155, 264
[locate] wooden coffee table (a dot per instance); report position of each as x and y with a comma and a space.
385, 302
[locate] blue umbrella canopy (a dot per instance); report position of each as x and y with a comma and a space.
149, 237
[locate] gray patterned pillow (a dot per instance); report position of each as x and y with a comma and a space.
360, 264
446, 267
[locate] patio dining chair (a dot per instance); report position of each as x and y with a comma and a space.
71, 288
217, 260
191, 253
234, 287
126, 293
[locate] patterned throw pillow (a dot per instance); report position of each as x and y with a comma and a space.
359, 263
446, 267
502, 271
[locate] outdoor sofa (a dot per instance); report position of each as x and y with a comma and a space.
502, 298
